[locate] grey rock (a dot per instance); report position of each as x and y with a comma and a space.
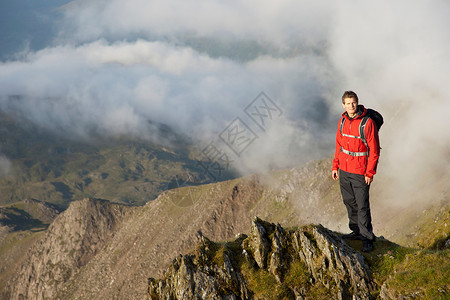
259, 241
197, 277
330, 261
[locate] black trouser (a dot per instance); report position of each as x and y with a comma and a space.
355, 193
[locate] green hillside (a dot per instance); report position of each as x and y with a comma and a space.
51, 167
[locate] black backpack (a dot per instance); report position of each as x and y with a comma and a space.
375, 116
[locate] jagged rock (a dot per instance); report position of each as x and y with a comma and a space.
213, 273
200, 277
329, 258
259, 241
279, 260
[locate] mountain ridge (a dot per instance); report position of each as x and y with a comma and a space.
143, 244
148, 236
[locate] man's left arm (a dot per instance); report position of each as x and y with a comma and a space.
373, 143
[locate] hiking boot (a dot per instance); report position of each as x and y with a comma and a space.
351, 236
367, 246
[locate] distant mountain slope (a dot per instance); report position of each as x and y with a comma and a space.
49, 166
30, 213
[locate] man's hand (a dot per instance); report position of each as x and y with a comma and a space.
368, 180
335, 174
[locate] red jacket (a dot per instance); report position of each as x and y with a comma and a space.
363, 165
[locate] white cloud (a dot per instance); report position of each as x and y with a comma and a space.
268, 20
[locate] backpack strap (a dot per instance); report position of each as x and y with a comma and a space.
355, 153
342, 123
362, 130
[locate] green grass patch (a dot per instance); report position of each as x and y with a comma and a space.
262, 283
60, 170
434, 233
408, 271
297, 274
425, 273
385, 256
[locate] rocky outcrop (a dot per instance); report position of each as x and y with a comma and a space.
226, 271
201, 276
332, 262
74, 237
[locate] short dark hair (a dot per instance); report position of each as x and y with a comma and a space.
349, 94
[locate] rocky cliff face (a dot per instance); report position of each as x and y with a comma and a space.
299, 263
71, 241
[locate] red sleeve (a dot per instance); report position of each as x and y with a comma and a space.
338, 147
374, 148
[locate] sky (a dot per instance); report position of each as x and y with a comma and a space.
110, 67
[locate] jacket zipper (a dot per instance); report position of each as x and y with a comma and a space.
348, 143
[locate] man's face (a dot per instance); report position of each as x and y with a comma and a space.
351, 106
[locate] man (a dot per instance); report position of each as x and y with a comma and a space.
355, 164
